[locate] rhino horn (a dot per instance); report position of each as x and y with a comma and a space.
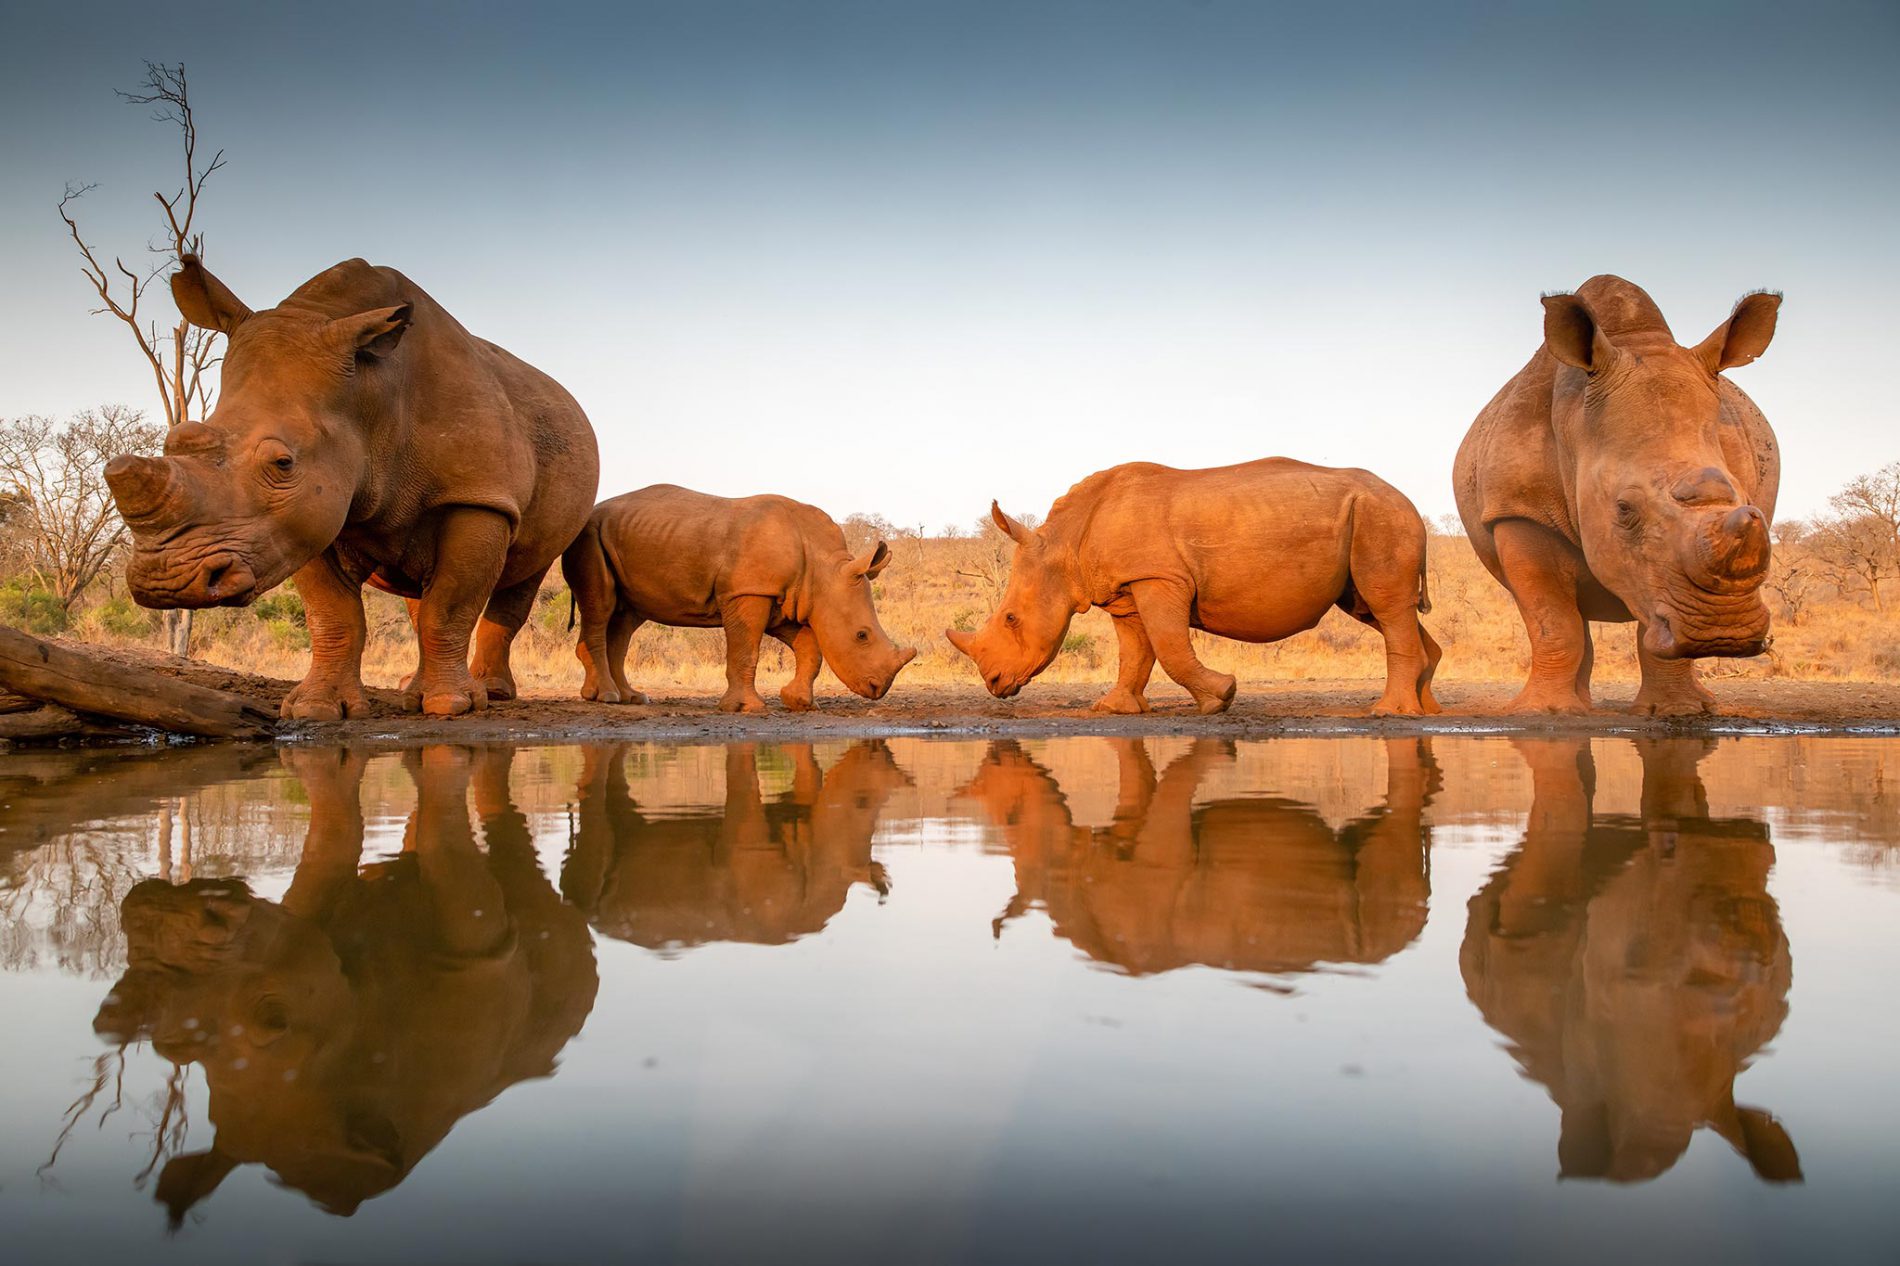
1742, 544
141, 485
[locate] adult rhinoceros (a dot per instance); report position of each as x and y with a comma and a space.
362, 434
1619, 476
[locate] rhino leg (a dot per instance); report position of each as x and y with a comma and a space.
1541, 571
333, 610
745, 619
620, 630
806, 661
1669, 688
415, 627
1433, 653
1163, 606
469, 551
607, 623
1137, 664
507, 611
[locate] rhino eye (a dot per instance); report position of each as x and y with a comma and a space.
1625, 514
1009, 618
864, 635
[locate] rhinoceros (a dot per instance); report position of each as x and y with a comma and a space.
1619, 476
749, 565
1635, 965
361, 434
346, 1028
1256, 552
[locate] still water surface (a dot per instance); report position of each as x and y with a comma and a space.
911, 1000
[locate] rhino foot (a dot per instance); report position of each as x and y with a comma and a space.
1218, 701
741, 703
323, 700
1532, 702
1121, 702
436, 700
453, 703
795, 699
498, 688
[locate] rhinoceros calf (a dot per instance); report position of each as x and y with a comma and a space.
361, 434
1255, 552
1619, 476
749, 565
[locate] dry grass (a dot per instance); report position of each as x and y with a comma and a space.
935, 583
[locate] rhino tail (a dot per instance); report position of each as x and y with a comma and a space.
1425, 580
571, 607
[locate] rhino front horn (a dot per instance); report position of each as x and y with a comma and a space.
139, 485
1744, 537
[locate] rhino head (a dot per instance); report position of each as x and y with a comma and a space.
246, 497
844, 620
1667, 523
1024, 633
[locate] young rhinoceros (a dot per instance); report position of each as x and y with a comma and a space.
749, 565
1255, 552
363, 435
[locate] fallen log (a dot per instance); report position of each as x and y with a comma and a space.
94, 686
48, 722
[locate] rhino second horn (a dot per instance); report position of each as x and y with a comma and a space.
139, 484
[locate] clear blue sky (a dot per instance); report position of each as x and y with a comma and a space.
908, 257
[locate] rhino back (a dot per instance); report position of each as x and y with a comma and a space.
467, 422
678, 554
1220, 530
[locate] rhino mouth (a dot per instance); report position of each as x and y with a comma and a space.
1707, 625
216, 578
1004, 688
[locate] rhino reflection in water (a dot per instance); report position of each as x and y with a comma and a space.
1251, 884
1635, 964
759, 872
344, 1030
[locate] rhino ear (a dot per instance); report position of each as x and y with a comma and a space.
187, 1179
372, 335
871, 562
1009, 527
1744, 336
205, 301
1572, 335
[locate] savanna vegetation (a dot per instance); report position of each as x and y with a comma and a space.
1834, 588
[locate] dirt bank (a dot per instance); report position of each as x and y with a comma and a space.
1262, 708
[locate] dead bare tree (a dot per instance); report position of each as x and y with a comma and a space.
1862, 537
52, 477
183, 357
1792, 579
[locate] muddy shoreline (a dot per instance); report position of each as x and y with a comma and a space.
1749, 706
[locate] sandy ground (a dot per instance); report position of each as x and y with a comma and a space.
1063, 708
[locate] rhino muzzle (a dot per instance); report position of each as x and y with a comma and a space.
1707, 625
221, 578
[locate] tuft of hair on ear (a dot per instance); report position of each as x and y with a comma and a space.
1765, 290
1555, 294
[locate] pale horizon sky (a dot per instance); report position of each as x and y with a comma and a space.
905, 257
